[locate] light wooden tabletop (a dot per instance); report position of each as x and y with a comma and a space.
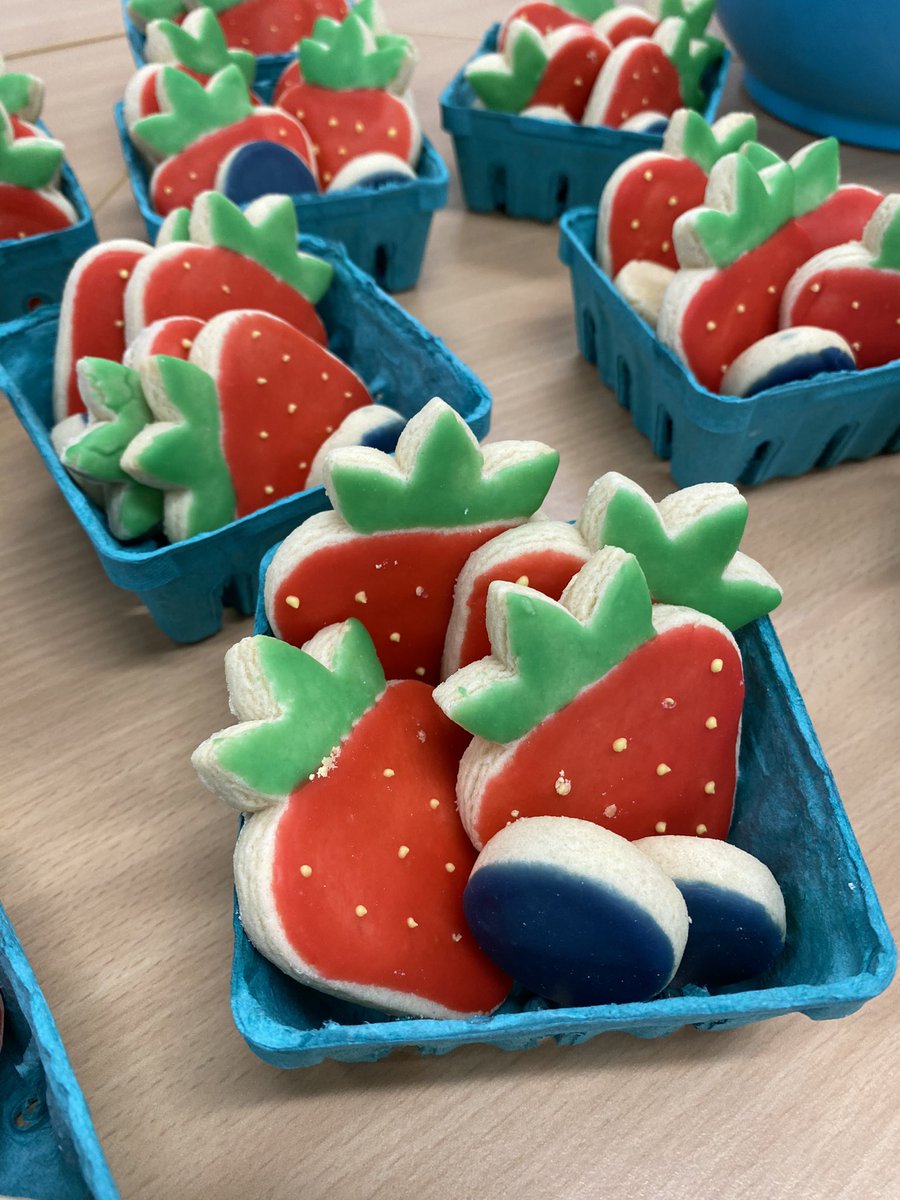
115, 864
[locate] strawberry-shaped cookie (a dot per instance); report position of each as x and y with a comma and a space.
197, 47
360, 130
270, 26
199, 126
534, 72
22, 95
233, 260
29, 202
545, 16
854, 290
351, 863
403, 528
238, 425
655, 74
600, 706
647, 192
737, 252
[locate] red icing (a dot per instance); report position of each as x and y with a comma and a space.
629, 703
179, 180
873, 328
219, 280
756, 281
645, 81
647, 201
275, 26
331, 118
22, 128
25, 212
542, 16
629, 25
547, 571
407, 579
348, 827
280, 460
169, 337
571, 73
94, 306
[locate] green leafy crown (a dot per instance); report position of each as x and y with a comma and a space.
544, 652
347, 55
687, 546
27, 162
439, 478
200, 45
21, 94
506, 82
689, 134
691, 56
696, 14
194, 109
295, 708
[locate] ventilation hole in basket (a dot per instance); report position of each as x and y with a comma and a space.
380, 267
836, 446
623, 388
498, 188
759, 463
562, 194
662, 436
588, 335
892, 445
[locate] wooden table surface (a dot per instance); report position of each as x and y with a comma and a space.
115, 864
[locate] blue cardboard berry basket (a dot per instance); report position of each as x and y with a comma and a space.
186, 584
784, 430
839, 952
48, 1146
34, 270
526, 167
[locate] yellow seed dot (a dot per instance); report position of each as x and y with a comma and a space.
292, 408
420, 591
306, 870
523, 580
854, 304
420, 671
457, 937
299, 114
285, 358
333, 122
710, 326
636, 75
255, 333
324, 376
712, 723
660, 827
261, 379
857, 346
663, 769
433, 803
562, 786
620, 744
716, 666
268, 489
672, 201
292, 601
186, 265
263, 433
226, 289
412, 922
710, 788
342, 151
358, 126
192, 174
388, 773
167, 191
186, 343
395, 637
360, 910
741, 308
123, 274
668, 702
648, 175
361, 598
635, 223
666, 247
303, 465
449, 868
392, 132
815, 287
120, 324
771, 289
701, 829
329, 429
327, 177
513, 812
403, 851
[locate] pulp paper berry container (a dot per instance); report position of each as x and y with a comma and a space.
268, 66
526, 167
34, 270
186, 584
383, 229
785, 430
48, 1146
838, 954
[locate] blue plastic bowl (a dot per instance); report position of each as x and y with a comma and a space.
34, 270
786, 430
839, 951
526, 167
186, 584
383, 229
830, 68
48, 1146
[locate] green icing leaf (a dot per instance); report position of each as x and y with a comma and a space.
506, 84
218, 5
183, 451
266, 232
817, 173
21, 94
760, 156
687, 547
550, 651
154, 10
695, 15
439, 479
706, 144
134, 509
691, 57
888, 256
115, 400
310, 710
27, 162
590, 10
205, 52
194, 109
351, 57
763, 202
175, 228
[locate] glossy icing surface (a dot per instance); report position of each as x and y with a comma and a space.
731, 937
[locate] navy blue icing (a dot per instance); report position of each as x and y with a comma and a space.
569, 939
803, 366
731, 937
384, 437
264, 169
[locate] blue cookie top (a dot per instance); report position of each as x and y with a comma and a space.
732, 937
263, 169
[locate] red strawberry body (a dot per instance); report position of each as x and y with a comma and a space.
739, 304
179, 180
386, 860
22, 128
571, 72
652, 191
398, 584
861, 303
275, 26
25, 212
540, 15
637, 78
277, 388
346, 124
569, 764
92, 319
202, 281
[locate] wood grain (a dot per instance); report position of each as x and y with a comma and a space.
115, 863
